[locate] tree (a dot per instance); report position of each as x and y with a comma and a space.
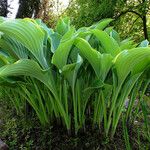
84, 13
138, 9
46, 12
28, 8
3, 8
130, 15
37, 9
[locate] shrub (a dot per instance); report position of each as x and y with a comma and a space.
70, 75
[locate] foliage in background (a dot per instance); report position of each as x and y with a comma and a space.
85, 13
132, 16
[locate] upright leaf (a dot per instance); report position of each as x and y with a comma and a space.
134, 60
101, 63
108, 43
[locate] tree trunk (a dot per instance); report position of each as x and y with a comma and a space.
28, 8
3, 8
145, 27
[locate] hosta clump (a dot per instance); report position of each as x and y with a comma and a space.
71, 75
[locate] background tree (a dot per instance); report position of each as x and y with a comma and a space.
131, 16
3, 8
84, 13
37, 9
28, 8
46, 12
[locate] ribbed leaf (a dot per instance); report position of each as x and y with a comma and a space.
63, 26
70, 71
134, 60
63, 49
27, 33
5, 46
101, 63
55, 41
127, 44
3, 60
115, 35
101, 24
14, 48
27, 68
108, 43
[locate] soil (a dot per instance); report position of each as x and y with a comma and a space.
56, 137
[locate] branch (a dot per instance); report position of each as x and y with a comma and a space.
133, 23
127, 11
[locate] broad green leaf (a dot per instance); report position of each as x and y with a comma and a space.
115, 35
102, 24
14, 48
108, 43
63, 26
3, 60
134, 60
89, 53
55, 41
127, 44
70, 71
69, 35
101, 63
105, 65
5, 46
27, 68
29, 34
63, 49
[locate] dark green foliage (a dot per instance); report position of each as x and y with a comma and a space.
131, 16
85, 13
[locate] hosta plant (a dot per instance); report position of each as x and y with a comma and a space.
70, 76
